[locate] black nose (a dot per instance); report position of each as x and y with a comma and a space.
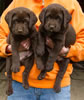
51, 27
20, 30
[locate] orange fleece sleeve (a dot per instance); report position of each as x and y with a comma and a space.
77, 50
4, 31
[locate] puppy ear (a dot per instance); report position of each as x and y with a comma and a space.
8, 18
42, 14
67, 18
33, 19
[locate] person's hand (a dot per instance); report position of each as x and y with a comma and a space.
26, 44
64, 51
8, 49
49, 43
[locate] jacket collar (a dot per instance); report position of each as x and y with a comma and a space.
39, 1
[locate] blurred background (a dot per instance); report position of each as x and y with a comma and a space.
5, 3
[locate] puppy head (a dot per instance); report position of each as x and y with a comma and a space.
54, 18
20, 20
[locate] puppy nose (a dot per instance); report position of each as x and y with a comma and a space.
20, 30
51, 27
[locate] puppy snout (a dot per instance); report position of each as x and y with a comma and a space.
20, 30
51, 27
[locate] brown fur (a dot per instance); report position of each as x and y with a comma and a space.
54, 25
21, 23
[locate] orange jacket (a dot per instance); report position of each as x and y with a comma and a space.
76, 50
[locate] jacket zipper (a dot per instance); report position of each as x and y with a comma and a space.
43, 2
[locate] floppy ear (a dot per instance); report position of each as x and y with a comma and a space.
33, 19
42, 15
8, 18
67, 18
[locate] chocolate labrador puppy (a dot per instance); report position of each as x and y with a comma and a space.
21, 22
55, 26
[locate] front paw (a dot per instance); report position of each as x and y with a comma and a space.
57, 88
49, 67
41, 76
40, 65
9, 91
25, 85
15, 68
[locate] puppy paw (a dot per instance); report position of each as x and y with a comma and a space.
49, 67
57, 89
15, 69
9, 92
26, 85
41, 76
40, 65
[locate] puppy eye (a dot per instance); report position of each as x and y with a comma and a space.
15, 21
57, 17
25, 20
47, 16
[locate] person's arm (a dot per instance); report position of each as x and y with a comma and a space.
4, 31
77, 50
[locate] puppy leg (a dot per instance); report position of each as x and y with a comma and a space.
43, 71
39, 62
42, 75
53, 53
63, 66
15, 56
28, 63
40, 50
9, 90
43, 60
